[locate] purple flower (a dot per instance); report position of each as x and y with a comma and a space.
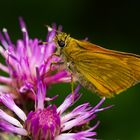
23, 58
51, 122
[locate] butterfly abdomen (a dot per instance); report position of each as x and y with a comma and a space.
91, 87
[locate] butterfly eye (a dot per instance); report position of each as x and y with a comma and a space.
61, 43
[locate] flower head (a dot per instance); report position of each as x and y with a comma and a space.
51, 122
23, 58
43, 123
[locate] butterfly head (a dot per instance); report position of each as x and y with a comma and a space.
62, 39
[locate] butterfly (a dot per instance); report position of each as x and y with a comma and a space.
106, 72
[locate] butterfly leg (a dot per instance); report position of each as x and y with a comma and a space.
72, 87
56, 63
53, 62
69, 66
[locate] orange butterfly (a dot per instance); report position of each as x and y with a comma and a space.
106, 72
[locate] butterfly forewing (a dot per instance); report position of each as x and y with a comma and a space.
105, 71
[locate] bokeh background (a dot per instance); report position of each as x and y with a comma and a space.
111, 24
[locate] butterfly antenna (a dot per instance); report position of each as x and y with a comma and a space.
43, 43
51, 29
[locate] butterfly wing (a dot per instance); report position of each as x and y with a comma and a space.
105, 71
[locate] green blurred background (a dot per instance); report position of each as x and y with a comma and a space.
111, 24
